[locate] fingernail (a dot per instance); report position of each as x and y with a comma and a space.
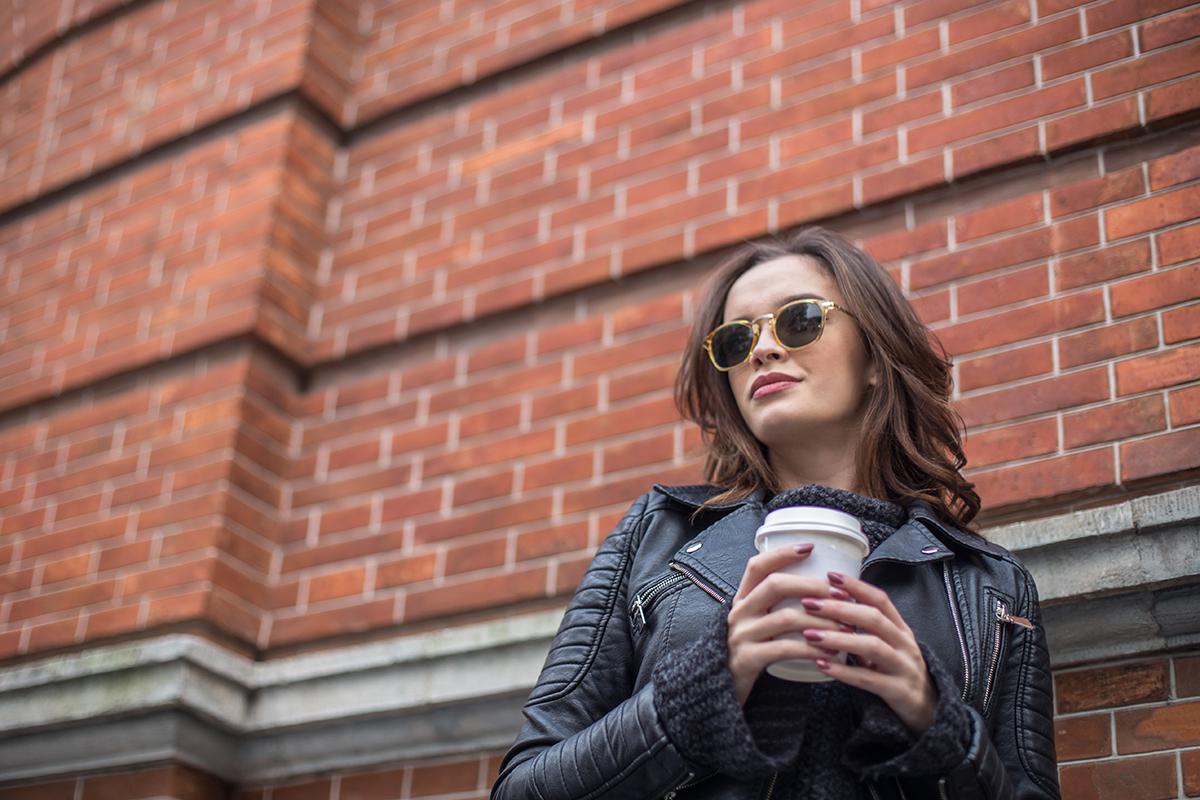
813, 635
811, 604
822, 663
846, 628
837, 579
804, 548
839, 594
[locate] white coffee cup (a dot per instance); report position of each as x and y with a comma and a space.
839, 545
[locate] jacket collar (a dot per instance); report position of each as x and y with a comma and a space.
720, 551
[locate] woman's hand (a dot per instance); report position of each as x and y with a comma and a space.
752, 623
890, 662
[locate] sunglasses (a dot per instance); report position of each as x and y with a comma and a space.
794, 325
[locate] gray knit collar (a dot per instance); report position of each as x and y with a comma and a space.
879, 518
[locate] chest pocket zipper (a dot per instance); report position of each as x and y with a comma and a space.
1001, 617
646, 599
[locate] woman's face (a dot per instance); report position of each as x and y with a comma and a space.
834, 372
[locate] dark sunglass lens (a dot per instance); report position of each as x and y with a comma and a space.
731, 344
799, 324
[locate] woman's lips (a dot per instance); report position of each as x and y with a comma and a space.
772, 388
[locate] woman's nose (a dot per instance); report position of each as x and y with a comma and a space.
767, 346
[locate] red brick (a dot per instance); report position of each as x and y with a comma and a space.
1158, 211
1098, 192
1114, 422
361, 616
1108, 341
662, 343
1040, 243
408, 569
1100, 50
1016, 324
1106, 687
445, 778
377, 785
539, 474
501, 516
655, 448
1177, 167
1005, 365
552, 540
1048, 394
1012, 287
564, 401
1088, 736
1184, 405
650, 413
1106, 264
1190, 762
1161, 455
493, 451
638, 382
1163, 728
1157, 370
486, 487
569, 335
460, 596
1146, 778
1156, 290
51, 790
1181, 324
332, 585
1187, 676
476, 555
1011, 442
1046, 478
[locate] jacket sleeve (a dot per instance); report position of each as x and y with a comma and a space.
587, 734
961, 756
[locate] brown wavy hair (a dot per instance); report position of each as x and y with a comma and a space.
910, 446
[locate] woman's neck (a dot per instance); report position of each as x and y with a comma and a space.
835, 473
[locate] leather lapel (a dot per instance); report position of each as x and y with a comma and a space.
719, 552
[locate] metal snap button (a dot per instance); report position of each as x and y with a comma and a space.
930, 550
691, 548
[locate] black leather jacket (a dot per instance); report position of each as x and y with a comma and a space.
591, 728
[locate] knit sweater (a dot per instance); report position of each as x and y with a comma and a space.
820, 738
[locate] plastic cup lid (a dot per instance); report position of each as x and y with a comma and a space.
817, 518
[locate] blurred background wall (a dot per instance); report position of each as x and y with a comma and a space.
335, 335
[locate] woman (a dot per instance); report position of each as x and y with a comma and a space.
814, 383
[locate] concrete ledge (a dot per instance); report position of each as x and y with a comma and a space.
1115, 582
184, 698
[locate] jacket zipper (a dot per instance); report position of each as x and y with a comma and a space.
962, 642
1002, 616
644, 599
711, 592
671, 794
771, 786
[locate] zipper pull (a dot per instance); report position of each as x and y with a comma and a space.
1003, 615
637, 603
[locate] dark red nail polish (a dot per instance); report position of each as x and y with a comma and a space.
814, 636
811, 604
839, 594
837, 579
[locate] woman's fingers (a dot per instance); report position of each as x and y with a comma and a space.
783, 620
757, 657
867, 617
869, 594
780, 586
868, 649
763, 564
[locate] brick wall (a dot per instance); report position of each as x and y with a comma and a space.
329, 321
